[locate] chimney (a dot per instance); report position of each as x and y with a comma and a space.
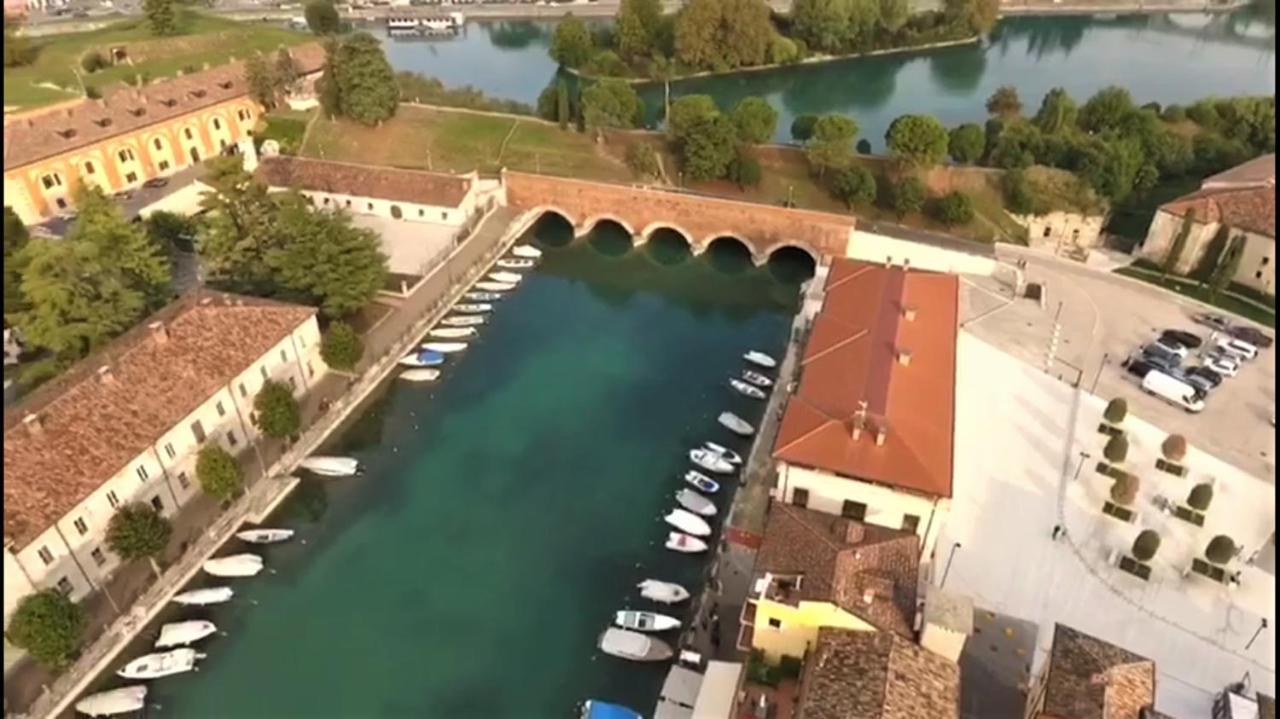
34, 425
868, 595
906, 264
159, 332
909, 313
854, 532
888, 261
859, 419
105, 375
881, 431
904, 357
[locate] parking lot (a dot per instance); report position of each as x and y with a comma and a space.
1103, 319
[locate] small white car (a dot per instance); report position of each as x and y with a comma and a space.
1238, 347
1224, 366
1176, 348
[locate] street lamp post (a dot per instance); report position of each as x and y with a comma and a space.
947, 570
1098, 376
1080, 466
1261, 625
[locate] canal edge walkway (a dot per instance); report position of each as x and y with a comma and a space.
274, 487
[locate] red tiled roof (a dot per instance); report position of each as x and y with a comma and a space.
424, 188
1258, 171
1093, 679
851, 357
90, 429
1249, 208
875, 675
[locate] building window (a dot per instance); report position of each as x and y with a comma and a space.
187, 134
164, 165
183, 481
311, 371
131, 177
157, 503
197, 429
395, 212
45, 556
141, 471
158, 145
222, 143
444, 216
168, 449
369, 206
99, 558
81, 526
1257, 275
51, 181
112, 499
775, 623
910, 522
231, 438
195, 155
217, 124
1266, 261
61, 203
853, 510
325, 202
64, 586
222, 411
243, 392
284, 355
125, 155
1047, 231
88, 168
800, 498
422, 212
263, 371
293, 382
302, 341
348, 204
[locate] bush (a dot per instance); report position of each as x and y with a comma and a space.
789, 667
863, 147
1125, 489
1174, 447
954, 208
1174, 113
966, 143
643, 159
1200, 498
92, 92
606, 63
49, 626
341, 348
1117, 449
853, 185
170, 231
745, 170
93, 61
906, 196
1146, 545
276, 410
219, 475
1220, 549
1019, 197
759, 672
137, 530
1117, 410
802, 127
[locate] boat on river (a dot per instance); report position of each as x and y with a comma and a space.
115, 701
685, 543
422, 358
264, 536
176, 634
626, 644
203, 597
451, 333
463, 321
696, 503
756, 378
508, 277
161, 664
331, 466
237, 565
516, 264
596, 709
710, 461
482, 296
526, 251
688, 522
645, 621
473, 308
489, 286
420, 374
729, 454
746, 390
761, 359
444, 347
736, 424
702, 481
662, 592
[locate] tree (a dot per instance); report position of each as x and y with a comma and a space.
170, 231
723, 34
638, 22
611, 103
162, 19
1220, 549
1228, 265
894, 14
219, 475
1004, 103
783, 50
643, 160
261, 81
919, 140
755, 119
49, 626
367, 91
1174, 447
563, 115
1117, 409
744, 170
341, 348
1109, 109
954, 208
831, 143
1112, 168
978, 16
708, 148
138, 531
322, 17
15, 240
276, 410
823, 24
1057, 113
966, 143
1125, 489
688, 111
606, 63
1020, 197
1117, 449
853, 185
802, 127
286, 71
324, 260
238, 230
571, 45
93, 61
18, 49
1146, 545
905, 196
1200, 498
1179, 243
863, 147
100, 222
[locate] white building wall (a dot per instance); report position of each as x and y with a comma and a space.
1258, 263
1061, 232
871, 247
395, 210
16, 584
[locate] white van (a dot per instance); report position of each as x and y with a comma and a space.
1173, 390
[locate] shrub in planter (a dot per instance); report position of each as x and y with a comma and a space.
1117, 449
1201, 497
1220, 550
1117, 410
1125, 489
1146, 545
1174, 447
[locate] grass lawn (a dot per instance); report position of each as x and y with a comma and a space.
1190, 288
285, 127
203, 39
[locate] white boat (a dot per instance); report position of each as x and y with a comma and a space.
508, 277
710, 461
736, 424
702, 481
681, 542
495, 286
451, 333
729, 454
635, 646
444, 347
203, 597
176, 634
645, 621
756, 378
264, 536
237, 565
161, 664
760, 358
115, 701
421, 374
662, 592
473, 308
696, 503
463, 321
527, 251
331, 466
422, 358
402, 23
482, 296
688, 522
520, 264
746, 390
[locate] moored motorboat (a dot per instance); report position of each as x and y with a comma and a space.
422, 358
463, 321
662, 592
451, 333
736, 424
710, 461
626, 644
473, 308
746, 390
756, 378
420, 374
176, 634
482, 296
508, 277
161, 664
526, 251
115, 701
702, 481
596, 709
203, 597
688, 522
264, 536
645, 621
444, 347
688, 544
516, 264
695, 503
760, 358
237, 565
331, 466
489, 286
730, 455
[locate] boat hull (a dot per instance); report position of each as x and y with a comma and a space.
746, 390
444, 347
518, 264
662, 592
634, 646
736, 424
482, 296
113, 702
237, 565
729, 455
420, 374
760, 359
462, 321
422, 359
696, 503
176, 634
645, 621
161, 664
702, 482
526, 251
756, 379
203, 597
507, 277
710, 461
452, 333
685, 543
331, 466
688, 522
489, 286
264, 536
473, 308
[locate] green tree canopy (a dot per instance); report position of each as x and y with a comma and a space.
611, 103
18, 49
744, 170
1220, 549
802, 127
688, 111
15, 240
894, 14
1116, 449
831, 143
1200, 497
822, 24
324, 260
708, 148
341, 348
755, 119
322, 17
853, 185
906, 196
138, 531
1117, 409
1021, 197
920, 140
1146, 545
261, 80
571, 45
1108, 109
162, 19
49, 626
1004, 102
1179, 243
219, 475
643, 160
639, 22
954, 208
170, 232
276, 411
367, 90
966, 143
1057, 112
286, 70
723, 34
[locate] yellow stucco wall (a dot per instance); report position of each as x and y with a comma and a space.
799, 628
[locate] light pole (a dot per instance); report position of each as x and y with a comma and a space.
1080, 466
1098, 376
947, 570
1262, 625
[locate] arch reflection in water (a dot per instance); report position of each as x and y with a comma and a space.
553, 229
730, 255
610, 238
792, 265
667, 247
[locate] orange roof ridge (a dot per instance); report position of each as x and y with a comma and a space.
851, 338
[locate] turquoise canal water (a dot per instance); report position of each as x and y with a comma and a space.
1160, 58
507, 511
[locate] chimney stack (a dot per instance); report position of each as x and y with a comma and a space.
159, 331
909, 313
868, 596
904, 357
854, 532
888, 261
34, 425
881, 431
859, 419
105, 376
906, 264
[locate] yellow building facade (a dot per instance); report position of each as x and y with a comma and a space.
792, 630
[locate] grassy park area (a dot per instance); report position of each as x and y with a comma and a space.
1229, 300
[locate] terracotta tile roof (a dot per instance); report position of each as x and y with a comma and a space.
1266, 707
1258, 171
876, 675
843, 562
424, 188
90, 428
128, 109
1251, 208
851, 357
1092, 679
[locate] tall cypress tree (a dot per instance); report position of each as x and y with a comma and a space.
1179, 243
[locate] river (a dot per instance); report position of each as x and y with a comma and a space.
506, 511
1160, 58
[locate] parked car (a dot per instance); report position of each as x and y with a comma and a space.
1172, 347
1182, 337
1217, 322
156, 182
1207, 374
1223, 365
1138, 367
1162, 354
1252, 335
1173, 390
1197, 382
1238, 347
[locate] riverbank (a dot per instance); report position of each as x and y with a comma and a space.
1032, 8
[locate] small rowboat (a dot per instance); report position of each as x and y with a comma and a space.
452, 333
684, 543
237, 565
635, 646
113, 702
662, 592
421, 374
463, 321
696, 503
330, 466
756, 379
760, 358
473, 308
176, 634
730, 455
520, 264
495, 286
264, 536
688, 522
482, 296
702, 481
444, 347
746, 390
645, 621
203, 597
736, 424
596, 709
161, 664
527, 251
508, 277
710, 461
422, 358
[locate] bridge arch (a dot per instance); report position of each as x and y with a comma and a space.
543, 230
591, 222
647, 233
777, 247
792, 262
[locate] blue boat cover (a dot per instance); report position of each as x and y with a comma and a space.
430, 357
604, 710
